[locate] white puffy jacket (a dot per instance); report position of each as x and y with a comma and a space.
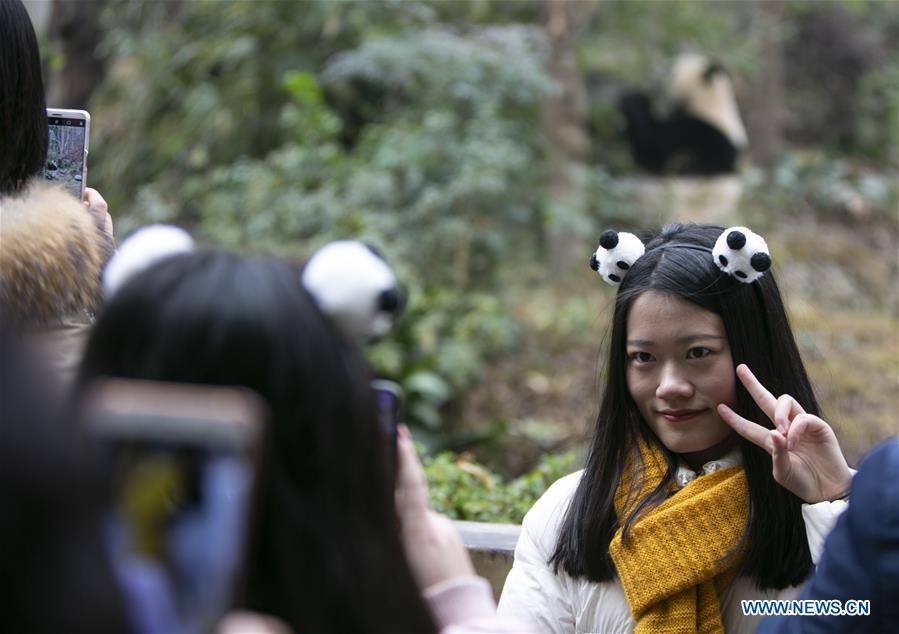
560, 603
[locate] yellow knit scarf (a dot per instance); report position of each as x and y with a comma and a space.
676, 561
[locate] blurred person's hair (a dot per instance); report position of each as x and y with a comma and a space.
678, 261
57, 575
326, 554
23, 116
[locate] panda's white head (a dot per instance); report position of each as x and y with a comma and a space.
353, 284
704, 89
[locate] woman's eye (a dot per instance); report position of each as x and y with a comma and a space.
698, 353
641, 357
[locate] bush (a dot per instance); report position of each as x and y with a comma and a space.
465, 490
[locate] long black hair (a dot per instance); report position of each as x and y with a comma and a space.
326, 537
23, 117
679, 261
59, 577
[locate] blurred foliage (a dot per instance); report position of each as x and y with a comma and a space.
416, 125
466, 490
236, 136
818, 184
878, 122
439, 350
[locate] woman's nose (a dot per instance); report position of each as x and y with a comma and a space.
673, 384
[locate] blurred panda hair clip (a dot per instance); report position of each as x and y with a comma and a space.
738, 252
352, 283
141, 250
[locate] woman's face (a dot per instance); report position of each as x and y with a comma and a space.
678, 369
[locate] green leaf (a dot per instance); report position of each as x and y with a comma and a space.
303, 87
428, 385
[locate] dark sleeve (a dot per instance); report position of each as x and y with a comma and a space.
861, 555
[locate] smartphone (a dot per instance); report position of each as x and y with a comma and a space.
183, 462
389, 400
67, 150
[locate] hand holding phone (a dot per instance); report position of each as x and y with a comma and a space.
69, 132
183, 461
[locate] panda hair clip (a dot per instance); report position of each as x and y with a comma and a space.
738, 252
353, 284
141, 250
616, 252
742, 254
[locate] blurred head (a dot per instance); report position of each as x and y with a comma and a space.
23, 133
326, 535
679, 328
52, 498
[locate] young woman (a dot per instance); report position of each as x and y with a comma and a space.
327, 533
54, 246
337, 546
689, 500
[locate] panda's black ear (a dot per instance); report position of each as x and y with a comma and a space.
608, 239
374, 250
713, 68
736, 240
761, 262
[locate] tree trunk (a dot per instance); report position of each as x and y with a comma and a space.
765, 97
563, 124
74, 35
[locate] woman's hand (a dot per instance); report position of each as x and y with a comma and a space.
805, 452
99, 210
433, 547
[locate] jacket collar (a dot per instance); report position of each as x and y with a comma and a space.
686, 475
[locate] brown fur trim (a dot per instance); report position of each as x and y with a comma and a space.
52, 254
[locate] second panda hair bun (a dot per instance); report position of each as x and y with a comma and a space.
742, 254
616, 252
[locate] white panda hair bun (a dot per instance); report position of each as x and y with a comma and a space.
353, 284
142, 249
742, 254
617, 251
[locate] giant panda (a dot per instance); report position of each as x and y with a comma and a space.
694, 127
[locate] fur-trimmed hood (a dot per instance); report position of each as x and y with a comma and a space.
52, 255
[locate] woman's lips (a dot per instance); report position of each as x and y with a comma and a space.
680, 415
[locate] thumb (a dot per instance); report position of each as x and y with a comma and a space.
412, 488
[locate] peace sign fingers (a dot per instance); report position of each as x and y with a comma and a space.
806, 458
759, 393
753, 432
781, 410
786, 410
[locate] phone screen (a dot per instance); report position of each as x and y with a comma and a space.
389, 400
178, 523
182, 503
66, 158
